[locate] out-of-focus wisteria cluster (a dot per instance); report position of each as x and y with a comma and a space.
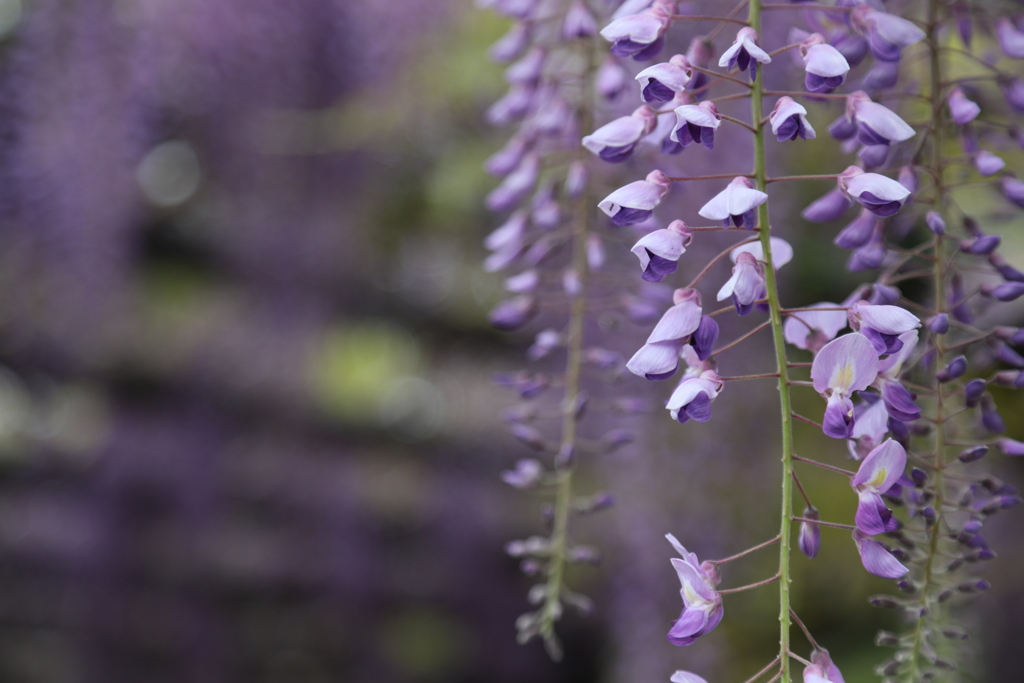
911, 388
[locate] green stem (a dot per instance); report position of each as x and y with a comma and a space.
781, 363
938, 284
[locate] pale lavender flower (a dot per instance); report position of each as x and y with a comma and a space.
882, 325
887, 33
512, 44
826, 66
1010, 446
576, 179
699, 53
962, 109
810, 534
702, 604
935, 223
844, 365
1014, 190
615, 141
699, 386
813, 329
659, 251
870, 425
822, 669
1013, 92
505, 160
898, 401
579, 22
829, 207
988, 163
511, 106
686, 677
876, 559
528, 69
782, 251
1011, 39
641, 35
789, 121
516, 185
876, 475
881, 195
662, 81
746, 285
611, 78
523, 282
696, 123
513, 313
527, 474
745, 53
875, 123
635, 203
858, 233
736, 203
658, 358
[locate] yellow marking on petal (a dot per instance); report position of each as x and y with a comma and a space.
878, 479
842, 378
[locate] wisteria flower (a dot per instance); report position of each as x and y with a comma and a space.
1011, 39
870, 425
887, 33
610, 79
746, 285
876, 475
829, 207
659, 251
745, 53
876, 559
529, 67
699, 53
882, 325
899, 402
515, 185
579, 22
702, 604
789, 121
635, 203
813, 329
962, 109
686, 677
641, 35
880, 195
512, 44
661, 82
782, 251
988, 163
736, 203
659, 357
699, 387
873, 123
826, 66
615, 141
844, 365
822, 669
696, 123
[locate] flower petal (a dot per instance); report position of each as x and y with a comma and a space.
880, 470
656, 361
876, 559
826, 61
782, 252
882, 121
884, 319
846, 364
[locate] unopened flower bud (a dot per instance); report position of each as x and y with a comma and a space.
810, 534
527, 474
529, 436
887, 639
956, 368
974, 391
939, 324
973, 454
935, 223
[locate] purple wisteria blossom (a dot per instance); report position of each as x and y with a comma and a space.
809, 539
661, 82
686, 677
844, 365
635, 203
699, 387
640, 35
882, 324
811, 330
782, 251
870, 426
1011, 38
898, 401
876, 558
579, 22
876, 475
789, 121
826, 66
873, 123
829, 207
659, 251
962, 109
702, 605
746, 285
822, 669
988, 163
696, 123
745, 53
658, 358
735, 204
878, 194
616, 140
887, 34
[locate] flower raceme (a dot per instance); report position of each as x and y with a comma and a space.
702, 604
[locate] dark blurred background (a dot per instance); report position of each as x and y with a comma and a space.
247, 431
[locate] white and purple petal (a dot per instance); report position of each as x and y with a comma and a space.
736, 203
845, 365
634, 203
876, 559
656, 361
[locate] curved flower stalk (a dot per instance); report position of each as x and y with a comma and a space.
901, 393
